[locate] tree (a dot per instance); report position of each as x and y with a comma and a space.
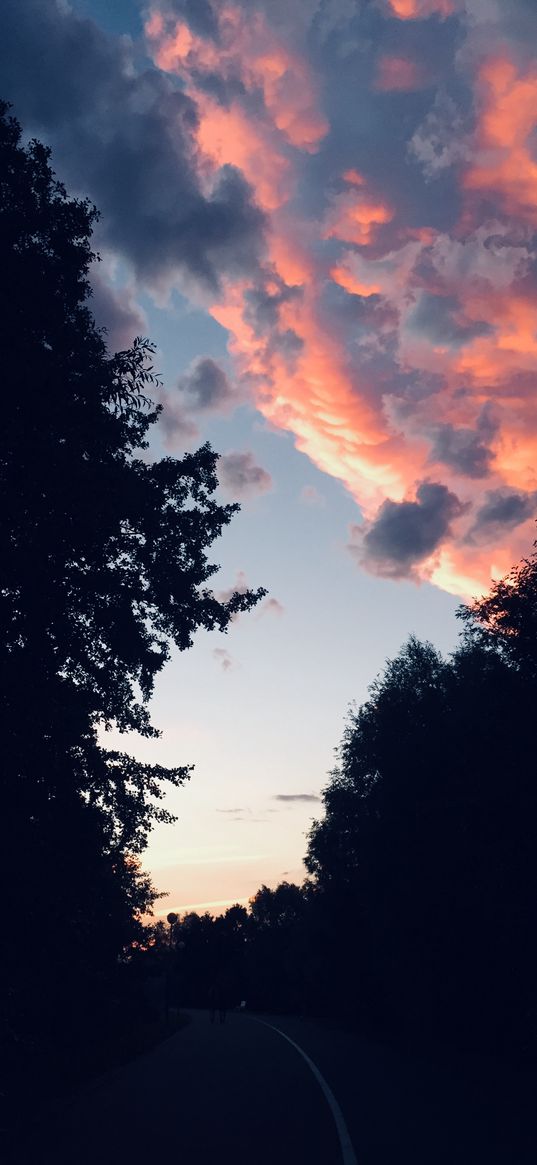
505, 620
104, 565
104, 555
425, 860
279, 909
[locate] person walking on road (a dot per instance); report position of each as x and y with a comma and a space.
217, 1002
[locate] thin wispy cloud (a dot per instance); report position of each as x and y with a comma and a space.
223, 658
183, 907
291, 797
241, 815
271, 606
310, 496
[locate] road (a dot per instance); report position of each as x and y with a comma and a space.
242, 1093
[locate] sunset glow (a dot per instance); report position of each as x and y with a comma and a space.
394, 351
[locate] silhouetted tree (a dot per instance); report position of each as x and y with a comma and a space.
505, 620
104, 565
425, 862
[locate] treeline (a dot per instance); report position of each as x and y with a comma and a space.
418, 920
104, 564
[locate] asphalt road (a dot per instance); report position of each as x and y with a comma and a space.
241, 1093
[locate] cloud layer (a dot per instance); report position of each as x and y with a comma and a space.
352, 188
240, 475
391, 325
127, 137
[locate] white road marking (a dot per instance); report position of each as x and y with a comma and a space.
347, 1151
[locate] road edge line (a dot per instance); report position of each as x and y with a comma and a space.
347, 1151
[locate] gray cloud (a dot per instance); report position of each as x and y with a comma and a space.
223, 658
503, 509
442, 139
239, 475
262, 305
271, 607
465, 449
202, 15
296, 797
198, 14
125, 137
117, 312
440, 319
287, 344
205, 385
177, 427
403, 534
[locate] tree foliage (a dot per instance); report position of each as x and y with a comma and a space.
506, 619
105, 564
104, 553
426, 853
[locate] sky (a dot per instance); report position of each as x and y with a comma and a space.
324, 214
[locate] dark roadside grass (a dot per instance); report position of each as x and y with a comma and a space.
134, 1040
33, 1096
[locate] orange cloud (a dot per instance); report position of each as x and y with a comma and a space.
504, 165
256, 61
226, 135
355, 217
417, 9
399, 74
345, 278
354, 178
380, 338
249, 51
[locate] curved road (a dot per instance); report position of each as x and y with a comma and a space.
242, 1094
210, 1095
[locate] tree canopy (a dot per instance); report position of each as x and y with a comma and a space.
104, 551
426, 853
105, 564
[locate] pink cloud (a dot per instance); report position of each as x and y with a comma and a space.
504, 164
272, 606
400, 355
419, 9
311, 496
400, 74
